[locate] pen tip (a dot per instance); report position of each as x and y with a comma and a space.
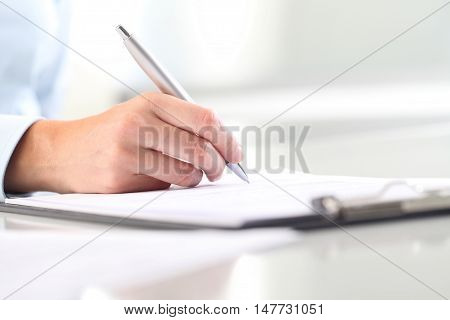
122, 32
238, 170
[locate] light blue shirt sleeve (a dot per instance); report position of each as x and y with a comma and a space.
30, 70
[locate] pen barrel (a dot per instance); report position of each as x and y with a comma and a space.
156, 72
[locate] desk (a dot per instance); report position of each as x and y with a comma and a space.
322, 264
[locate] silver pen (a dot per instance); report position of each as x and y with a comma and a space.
164, 81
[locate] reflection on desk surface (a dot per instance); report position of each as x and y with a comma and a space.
70, 265
396, 260
404, 259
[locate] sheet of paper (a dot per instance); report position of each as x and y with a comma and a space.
227, 203
119, 259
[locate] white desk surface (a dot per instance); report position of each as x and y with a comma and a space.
322, 264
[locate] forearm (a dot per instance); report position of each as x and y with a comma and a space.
31, 166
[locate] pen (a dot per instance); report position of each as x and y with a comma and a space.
165, 83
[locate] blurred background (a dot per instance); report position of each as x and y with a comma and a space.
250, 60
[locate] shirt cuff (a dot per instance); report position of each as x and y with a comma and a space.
12, 129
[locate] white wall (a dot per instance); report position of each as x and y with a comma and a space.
236, 45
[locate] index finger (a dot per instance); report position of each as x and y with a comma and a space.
198, 120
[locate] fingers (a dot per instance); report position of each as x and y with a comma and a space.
199, 121
167, 169
185, 146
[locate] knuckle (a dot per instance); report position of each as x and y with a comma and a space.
201, 148
191, 180
192, 147
196, 180
184, 168
207, 119
188, 175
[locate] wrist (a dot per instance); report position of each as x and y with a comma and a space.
31, 166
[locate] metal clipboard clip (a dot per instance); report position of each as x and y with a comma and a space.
375, 208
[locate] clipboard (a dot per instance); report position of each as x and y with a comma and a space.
149, 224
373, 208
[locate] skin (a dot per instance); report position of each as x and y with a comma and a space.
146, 143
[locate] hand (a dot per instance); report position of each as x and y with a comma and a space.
146, 143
